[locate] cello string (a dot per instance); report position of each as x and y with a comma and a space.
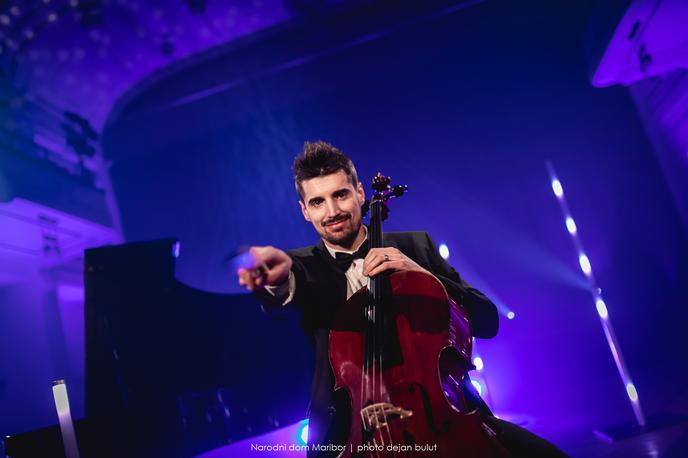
377, 455
376, 336
367, 342
369, 317
365, 376
381, 329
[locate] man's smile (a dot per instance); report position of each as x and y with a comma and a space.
336, 224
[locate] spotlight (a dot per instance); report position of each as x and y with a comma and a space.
511, 315
478, 363
302, 434
632, 393
444, 251
571, 225
584, 264
601, 308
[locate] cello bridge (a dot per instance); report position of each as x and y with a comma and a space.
376, 416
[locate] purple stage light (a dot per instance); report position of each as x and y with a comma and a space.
176, 249
601, 307
511, 315
444, 251
69, 293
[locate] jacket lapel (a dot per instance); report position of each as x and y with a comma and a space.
388, 242
333, 270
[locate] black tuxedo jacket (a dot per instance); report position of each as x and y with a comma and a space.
321, 289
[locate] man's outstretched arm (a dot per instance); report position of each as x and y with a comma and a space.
272, 276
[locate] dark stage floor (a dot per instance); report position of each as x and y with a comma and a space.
666, 443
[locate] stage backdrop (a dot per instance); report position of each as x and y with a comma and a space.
465, 107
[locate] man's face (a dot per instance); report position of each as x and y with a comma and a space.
333, 205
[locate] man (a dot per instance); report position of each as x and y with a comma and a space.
317, 280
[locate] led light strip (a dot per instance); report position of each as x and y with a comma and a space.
65, 417
596, 292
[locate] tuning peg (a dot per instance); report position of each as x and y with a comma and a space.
399, 190
381, 182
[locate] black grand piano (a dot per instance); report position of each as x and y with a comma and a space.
172, 371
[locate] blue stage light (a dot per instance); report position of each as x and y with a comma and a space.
571, 225
302, 434
632, 393
511, 315
556, 187
584, 264
444, 251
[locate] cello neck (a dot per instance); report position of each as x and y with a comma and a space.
375, 241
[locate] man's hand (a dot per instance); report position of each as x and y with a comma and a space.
382, 259
269, 266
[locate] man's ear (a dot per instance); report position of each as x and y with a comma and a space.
304, 211
361, 192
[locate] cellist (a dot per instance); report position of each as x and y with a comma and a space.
316, 280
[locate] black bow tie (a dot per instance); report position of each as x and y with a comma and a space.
344, 260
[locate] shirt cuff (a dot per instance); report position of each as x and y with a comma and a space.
286, 289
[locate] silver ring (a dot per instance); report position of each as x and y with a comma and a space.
386, 258
259, 271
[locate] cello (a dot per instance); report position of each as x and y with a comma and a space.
401, 349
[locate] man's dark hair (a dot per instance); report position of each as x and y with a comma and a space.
318, 159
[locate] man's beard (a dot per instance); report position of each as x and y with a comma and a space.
343, 238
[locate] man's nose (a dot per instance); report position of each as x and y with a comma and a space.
332, 208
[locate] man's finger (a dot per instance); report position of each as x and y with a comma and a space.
374, 257
376, 264
370, 264
246, 279
373, 260
391, 265
241, 273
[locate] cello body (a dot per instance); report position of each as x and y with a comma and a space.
416, 406
402, 351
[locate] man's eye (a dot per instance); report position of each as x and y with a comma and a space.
316, 203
